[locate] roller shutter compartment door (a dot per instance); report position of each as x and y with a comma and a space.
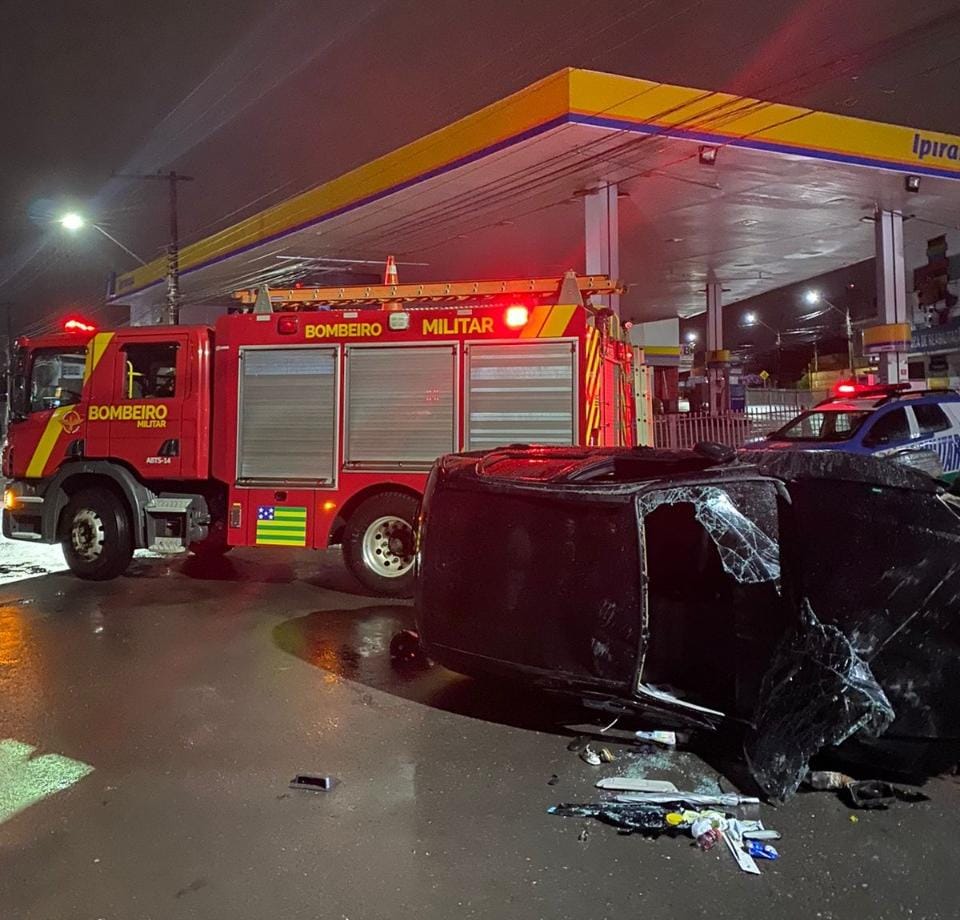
522, 393
287, 414
400, 405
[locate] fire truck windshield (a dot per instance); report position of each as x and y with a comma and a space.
47, 379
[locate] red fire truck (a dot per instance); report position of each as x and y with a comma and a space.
310, 417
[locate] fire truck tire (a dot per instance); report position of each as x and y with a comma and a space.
378, 543
97, 538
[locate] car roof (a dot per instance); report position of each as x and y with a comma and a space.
875, 401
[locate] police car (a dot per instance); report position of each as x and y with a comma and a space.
890, 421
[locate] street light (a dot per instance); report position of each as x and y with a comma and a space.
751, 319
72, 222
813, 298
691, 336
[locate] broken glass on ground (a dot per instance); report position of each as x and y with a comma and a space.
817, 693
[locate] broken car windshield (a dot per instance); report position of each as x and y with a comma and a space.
747, 552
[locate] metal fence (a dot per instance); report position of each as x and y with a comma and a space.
762, 400
766, 411
684, 429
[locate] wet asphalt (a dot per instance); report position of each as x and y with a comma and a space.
196, 695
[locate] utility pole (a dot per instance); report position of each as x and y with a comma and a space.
172, 309
849, 331
7, 306
779, 360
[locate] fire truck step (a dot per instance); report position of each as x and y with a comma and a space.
174, 522
166, 505
169, 546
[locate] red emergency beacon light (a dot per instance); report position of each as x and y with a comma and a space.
854, 388
78, 325
516, 316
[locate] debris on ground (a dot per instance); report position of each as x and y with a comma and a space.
724, 799
590, 756
554, 779
759, 850
706, 826
606, 755
877, 794
313, 782
827, 780
667, 739
863, 794
626, 784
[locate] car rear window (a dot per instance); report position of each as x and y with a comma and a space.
893, 426
931, 418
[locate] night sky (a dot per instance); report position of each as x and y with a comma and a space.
259, 101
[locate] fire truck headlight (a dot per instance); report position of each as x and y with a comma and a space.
516, 316
9, 499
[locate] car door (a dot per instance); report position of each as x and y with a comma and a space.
940, 433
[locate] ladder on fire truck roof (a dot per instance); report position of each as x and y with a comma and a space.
570, 289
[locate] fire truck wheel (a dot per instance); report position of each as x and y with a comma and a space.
97, 538
378, 543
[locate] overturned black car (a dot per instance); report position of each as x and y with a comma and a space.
812, 597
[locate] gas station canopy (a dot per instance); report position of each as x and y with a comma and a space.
709, 187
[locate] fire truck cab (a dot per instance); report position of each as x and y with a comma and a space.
310, 418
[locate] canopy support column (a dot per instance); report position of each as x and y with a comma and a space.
717, 357
602, 238
891, 294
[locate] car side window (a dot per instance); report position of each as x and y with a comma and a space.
892, 426
931, 419
150, 371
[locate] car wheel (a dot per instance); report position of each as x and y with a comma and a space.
378, 543
96, 537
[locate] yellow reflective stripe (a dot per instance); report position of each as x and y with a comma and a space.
95, 350
593, 372
48, 439
592, 339
535, 323
593, 417
556, 323
593, 384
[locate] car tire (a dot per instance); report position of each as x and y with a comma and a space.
96, 535
378, 543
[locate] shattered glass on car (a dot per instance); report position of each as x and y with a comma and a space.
747, 552
817, 693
